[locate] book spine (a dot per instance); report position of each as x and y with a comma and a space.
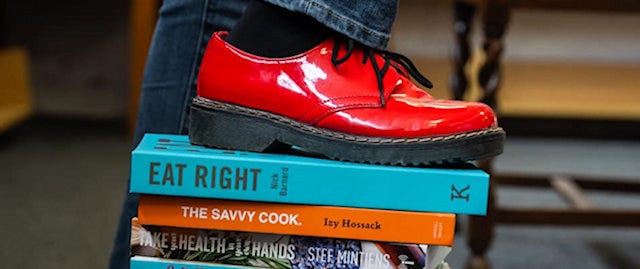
323, 183
272, 251
303, 220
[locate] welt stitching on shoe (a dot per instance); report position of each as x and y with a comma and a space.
224, 106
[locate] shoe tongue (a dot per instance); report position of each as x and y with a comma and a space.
396, 79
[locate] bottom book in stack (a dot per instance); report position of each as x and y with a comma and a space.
163, 247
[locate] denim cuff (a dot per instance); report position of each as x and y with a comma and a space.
372, 30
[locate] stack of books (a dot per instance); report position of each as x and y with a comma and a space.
203, 208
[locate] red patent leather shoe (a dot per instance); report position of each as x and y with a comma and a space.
342, 100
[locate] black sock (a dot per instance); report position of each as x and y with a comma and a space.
271, 31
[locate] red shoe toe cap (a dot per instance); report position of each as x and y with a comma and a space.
409, 117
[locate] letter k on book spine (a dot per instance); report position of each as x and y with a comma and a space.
170, 165
295, 219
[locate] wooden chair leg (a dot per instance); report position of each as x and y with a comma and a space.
463, 20
480, 228
495, 18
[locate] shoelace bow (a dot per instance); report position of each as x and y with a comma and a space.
369, 54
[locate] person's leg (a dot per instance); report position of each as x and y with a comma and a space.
182, 32
272, 31
285, 28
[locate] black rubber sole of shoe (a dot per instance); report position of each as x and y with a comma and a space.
222, 125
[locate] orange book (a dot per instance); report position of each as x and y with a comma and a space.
295, 219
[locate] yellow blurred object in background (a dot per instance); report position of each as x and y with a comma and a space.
15, 88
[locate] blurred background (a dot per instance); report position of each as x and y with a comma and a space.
569, 99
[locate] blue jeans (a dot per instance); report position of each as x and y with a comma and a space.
368, 22
182, 32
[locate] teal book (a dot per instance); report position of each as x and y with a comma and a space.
170, 165
141, 262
